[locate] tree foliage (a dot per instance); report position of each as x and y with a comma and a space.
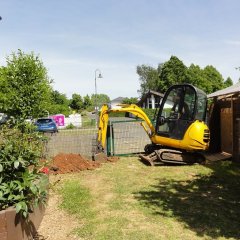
25, 86
59, 104
87, 102
174, 71
99, 99
76, 103
148, 77
228, 82
195, 77
59, 98
214, 80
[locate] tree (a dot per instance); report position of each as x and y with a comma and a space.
59, 98
172, 72
25, 86
149, 78
76, 103
213, 78
59, 104
228, 82
87, 102
99, 99
195, 77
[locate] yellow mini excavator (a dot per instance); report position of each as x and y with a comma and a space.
178, 133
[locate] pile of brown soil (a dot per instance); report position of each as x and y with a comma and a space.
67, 163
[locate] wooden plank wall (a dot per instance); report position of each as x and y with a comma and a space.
224, 124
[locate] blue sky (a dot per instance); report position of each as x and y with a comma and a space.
76, 37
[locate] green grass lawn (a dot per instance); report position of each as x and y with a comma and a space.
129, 200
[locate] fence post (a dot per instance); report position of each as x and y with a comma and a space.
110, 139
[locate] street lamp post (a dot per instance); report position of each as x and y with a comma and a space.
97, 76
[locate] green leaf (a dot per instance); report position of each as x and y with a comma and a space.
1, 167
10, 197
16, 164
25, 214
18, 207
33, 189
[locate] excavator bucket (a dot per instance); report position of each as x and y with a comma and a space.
98, 151
100, 157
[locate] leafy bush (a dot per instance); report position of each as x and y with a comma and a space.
21, 183
70, 126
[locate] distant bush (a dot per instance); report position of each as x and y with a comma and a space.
70, 126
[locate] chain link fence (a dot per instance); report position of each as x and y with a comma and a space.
125, 137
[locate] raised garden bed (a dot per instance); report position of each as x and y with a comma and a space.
15, 227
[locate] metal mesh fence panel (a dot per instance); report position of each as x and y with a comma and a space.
78, 141
128, 137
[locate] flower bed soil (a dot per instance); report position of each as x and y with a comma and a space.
67, 163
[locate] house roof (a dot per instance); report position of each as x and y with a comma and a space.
155, 93
229, 90
119, 99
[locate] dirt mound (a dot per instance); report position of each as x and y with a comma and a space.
67, 163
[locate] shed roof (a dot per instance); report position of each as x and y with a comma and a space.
229, 90
119, 99
148, 94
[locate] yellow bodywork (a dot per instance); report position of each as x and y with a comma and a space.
193, 139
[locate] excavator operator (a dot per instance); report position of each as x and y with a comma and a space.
179, 110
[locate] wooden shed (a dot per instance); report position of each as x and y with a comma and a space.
224, 121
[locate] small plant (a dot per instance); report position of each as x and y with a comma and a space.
70, 126
22, 184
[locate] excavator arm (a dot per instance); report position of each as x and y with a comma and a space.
130, 108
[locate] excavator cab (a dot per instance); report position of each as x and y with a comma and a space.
180, 107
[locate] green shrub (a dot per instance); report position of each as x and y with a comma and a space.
21, 183
70, 126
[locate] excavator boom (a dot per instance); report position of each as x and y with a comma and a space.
130, 108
